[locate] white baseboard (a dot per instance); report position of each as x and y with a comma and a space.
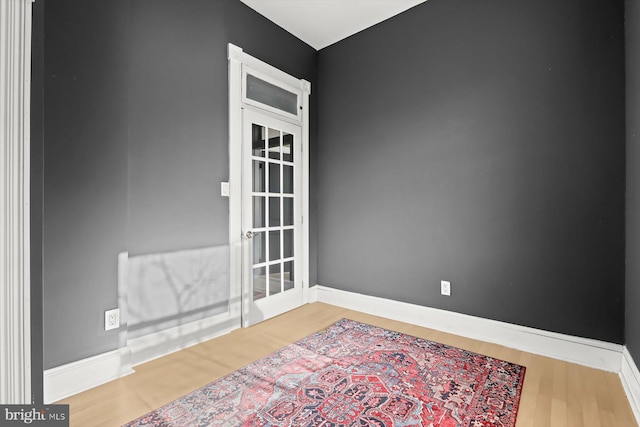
67, 380
630, 377
161, 343
76, 377
583, 351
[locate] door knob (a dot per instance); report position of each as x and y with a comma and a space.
249, 234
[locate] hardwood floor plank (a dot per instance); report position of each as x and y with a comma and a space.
574, 406
555, 393
621, 407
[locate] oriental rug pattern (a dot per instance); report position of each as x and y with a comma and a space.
354, 374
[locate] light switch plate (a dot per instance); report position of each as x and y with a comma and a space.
224, 189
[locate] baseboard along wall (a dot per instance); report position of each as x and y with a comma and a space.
66, 380
76, 377
583, 351
593, 353
630, 377
161, 343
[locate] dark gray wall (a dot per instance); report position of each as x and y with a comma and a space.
481, 143
178, 126
179, 119
37, 116
136, 143
85, 173
633, 178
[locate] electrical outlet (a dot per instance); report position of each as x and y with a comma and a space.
445, 287
112, 319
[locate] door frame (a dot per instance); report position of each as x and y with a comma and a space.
239, 61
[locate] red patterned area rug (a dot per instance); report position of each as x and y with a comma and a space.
354, 374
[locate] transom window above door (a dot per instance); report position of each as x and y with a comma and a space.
262, 91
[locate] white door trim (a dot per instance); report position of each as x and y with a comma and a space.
15, 264
237, 60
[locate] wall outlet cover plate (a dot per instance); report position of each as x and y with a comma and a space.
112, 319
445, 288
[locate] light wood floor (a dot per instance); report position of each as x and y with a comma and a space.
555, 393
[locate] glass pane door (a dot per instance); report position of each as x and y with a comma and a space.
271, 209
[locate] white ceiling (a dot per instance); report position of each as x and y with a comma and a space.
320, 23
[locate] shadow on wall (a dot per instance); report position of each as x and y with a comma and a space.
161, 291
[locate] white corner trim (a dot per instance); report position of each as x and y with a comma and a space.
582, 351
234, 52
72, 378
306, 86
630, 377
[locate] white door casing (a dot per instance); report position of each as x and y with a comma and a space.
240, 107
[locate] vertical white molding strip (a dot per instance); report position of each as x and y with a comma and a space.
237, 295
15, 84
306, 191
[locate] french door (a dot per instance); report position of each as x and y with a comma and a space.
269, 182
271, 216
